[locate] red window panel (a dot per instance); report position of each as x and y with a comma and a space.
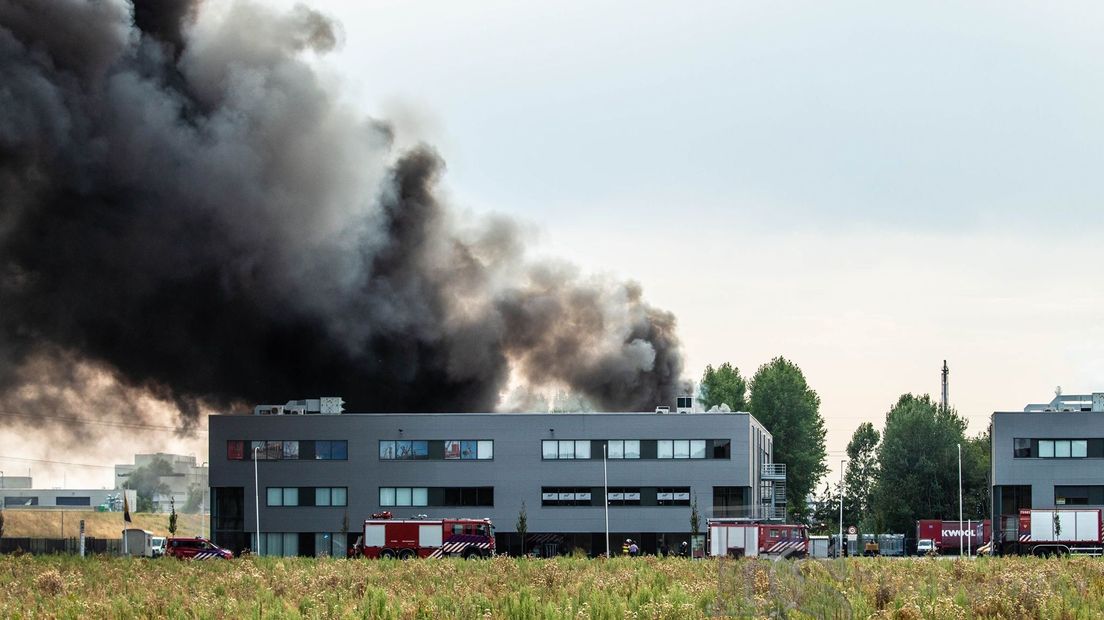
235, 450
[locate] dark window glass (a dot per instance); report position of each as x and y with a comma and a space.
420, 450
722, 449
339, 451
74, 501
322, 450
1021, 448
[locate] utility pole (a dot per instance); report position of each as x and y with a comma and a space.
605, 492
960, 532
257, 498
839, 549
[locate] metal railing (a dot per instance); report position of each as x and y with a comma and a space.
773, 471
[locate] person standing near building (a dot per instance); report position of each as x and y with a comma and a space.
625, 546
634, 550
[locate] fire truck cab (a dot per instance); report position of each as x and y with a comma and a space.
386, 537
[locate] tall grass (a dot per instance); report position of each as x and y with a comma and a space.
69, 587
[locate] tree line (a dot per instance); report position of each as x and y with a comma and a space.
909, 471
895, 476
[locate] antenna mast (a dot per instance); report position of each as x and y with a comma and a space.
946, 371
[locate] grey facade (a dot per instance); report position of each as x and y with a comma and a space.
77, 499
1046, 457
729, 481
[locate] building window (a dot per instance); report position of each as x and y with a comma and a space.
462, 496
74, 501
1063, 448
403, 450
680, 449
283, 496
623, 448
1092, 495
337, 450
331, 496
1021, 448
404, 496
235, 450
722, 449
673, 496
566, 496
565, 449
624, 496
468, 450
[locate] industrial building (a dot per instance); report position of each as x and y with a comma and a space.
321, 472
183, 476
1047, 456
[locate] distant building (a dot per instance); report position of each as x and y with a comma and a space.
81, 499
1047, 456
186, 474
15, 482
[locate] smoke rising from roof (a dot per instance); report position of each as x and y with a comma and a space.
190, 211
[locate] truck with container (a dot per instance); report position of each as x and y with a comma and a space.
940, 537
748, 538
1058, 531
421, 537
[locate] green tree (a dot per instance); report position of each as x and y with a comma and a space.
147, 481
860, 478
723, 385
172, 516
195, 499
695, 517
783, 402
918, 459
975, 477
522, 525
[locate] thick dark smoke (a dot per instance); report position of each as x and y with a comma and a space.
188, 208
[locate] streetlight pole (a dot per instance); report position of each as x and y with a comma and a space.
839, 549
1, 488
605, 492
257, 498
960, 532
202, 504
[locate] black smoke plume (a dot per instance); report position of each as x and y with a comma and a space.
188, 210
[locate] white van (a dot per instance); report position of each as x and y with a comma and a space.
158, 546
925, 546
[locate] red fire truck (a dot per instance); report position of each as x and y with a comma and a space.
752, 539
1054, 532
386, 537
946, 535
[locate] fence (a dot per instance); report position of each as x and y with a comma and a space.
42, 546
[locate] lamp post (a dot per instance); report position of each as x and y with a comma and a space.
960, 532
1, 488
257, 497
202, 494
839, 550
605, 493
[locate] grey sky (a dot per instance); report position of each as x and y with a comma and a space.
864, 187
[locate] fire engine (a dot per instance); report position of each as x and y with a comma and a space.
1054, 532
752, 539
387, 537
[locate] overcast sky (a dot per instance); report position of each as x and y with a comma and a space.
865, 188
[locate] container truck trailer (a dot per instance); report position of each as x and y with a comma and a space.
945, 536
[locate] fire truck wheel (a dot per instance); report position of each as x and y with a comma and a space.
406, 554
387, 554
471, 554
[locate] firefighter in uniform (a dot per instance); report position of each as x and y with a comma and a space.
625, 546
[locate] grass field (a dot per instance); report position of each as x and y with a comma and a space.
29, 523
68, 587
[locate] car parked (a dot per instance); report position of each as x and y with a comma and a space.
195, 549
158, 546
